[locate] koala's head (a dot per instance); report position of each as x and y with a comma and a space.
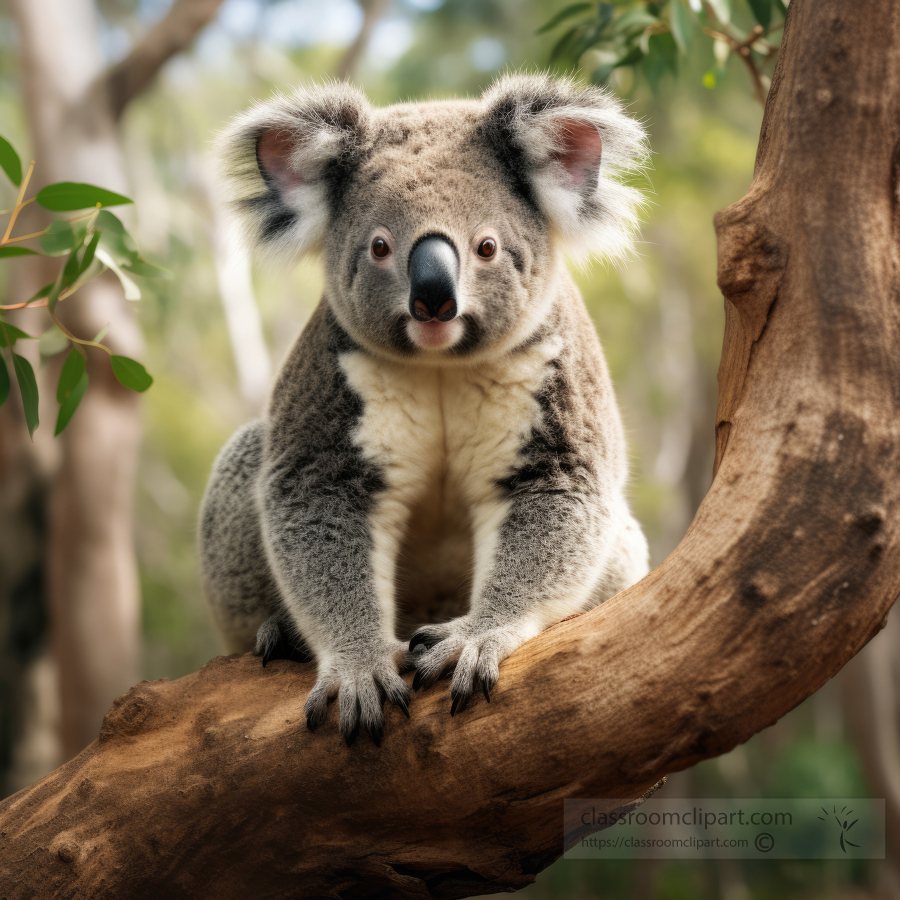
442, 224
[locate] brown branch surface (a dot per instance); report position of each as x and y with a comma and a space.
211, 785
172, 34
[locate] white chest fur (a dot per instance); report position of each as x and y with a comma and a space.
442, 438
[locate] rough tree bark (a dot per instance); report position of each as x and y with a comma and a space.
72, 105
211, 785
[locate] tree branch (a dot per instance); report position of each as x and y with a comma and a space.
205, 785
172, 34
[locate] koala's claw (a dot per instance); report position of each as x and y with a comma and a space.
274, 640
361, 689
425, 638
473, 649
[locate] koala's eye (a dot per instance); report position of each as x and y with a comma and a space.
380, 248
487, 248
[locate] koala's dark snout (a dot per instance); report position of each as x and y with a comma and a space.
433, 275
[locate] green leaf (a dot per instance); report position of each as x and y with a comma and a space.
132, 291
43, 292
131, 373
634, 55
29, 391
52, 341
72, 269
10, 162
682, 26
662, 57
633, 21
73, 382
70, 195
4, 381
16, 251
564, 14
762, 11
562, 45
722, 9
70, 404
9, 334
146, 270
89, 251
62, 237
73, 368
115, 239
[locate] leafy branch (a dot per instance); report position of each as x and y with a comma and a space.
651, 36
91, 243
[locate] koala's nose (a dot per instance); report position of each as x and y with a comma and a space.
433, 274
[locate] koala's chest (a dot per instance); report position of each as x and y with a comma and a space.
450, 431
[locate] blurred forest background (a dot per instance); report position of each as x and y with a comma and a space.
213, 334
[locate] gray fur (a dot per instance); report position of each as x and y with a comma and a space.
477, 486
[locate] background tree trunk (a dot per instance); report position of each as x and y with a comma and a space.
92, 574
91, 589
212, 783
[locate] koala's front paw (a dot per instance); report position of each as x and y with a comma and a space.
477, 648
361, 681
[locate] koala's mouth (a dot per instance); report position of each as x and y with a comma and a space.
435, 334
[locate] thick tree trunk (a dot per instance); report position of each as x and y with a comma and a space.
211, 786
72, 105
92, 574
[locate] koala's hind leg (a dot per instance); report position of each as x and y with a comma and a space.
237, 583
628, 562
276, 639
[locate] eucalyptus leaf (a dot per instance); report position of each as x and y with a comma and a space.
661, 57
62, 237
4, 381
66, 196
73, 368
52, 341
132, 291
17, 251
146, 270
72, 269
89, 252
117, 242
762, 11
29, 391
10, 163
9, 334
565, 42
70, 403
682, 26
572, 10
43, 292
131, 373
634, 20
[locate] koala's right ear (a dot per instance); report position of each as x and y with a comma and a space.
284, 159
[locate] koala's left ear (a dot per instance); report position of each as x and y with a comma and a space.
566, 148
284, 162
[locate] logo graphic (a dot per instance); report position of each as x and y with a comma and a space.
843, 820
764, 842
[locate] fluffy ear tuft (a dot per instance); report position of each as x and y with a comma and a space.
283, 160
567, 148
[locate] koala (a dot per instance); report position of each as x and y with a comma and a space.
441, 470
